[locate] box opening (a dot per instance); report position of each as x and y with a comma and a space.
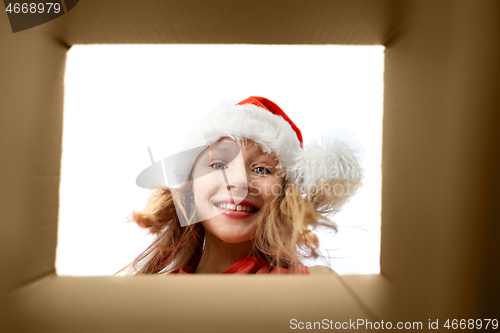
121, 99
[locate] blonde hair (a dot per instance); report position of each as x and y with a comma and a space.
283, 235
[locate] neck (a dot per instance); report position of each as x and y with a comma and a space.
219, 255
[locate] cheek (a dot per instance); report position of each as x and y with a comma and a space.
205, 188
200, 191
200, 197
269, 188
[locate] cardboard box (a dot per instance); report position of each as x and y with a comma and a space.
441, 153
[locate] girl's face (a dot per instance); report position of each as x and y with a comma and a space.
231, 184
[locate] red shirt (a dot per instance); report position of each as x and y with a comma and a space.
249, 265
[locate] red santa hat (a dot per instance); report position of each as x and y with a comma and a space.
274, 109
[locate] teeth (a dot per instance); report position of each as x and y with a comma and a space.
237, 208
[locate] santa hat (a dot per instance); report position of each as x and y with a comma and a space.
265, 123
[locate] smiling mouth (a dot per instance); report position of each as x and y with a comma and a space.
237, 208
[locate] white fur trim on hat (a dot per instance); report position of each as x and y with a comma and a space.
272, 133
334, 158
238, 122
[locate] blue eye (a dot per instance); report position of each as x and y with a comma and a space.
261, 170
218, 166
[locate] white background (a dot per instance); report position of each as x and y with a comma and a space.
122, 99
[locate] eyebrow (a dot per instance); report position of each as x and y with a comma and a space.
272, 158
256, 152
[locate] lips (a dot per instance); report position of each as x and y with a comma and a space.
242, 203
236, 214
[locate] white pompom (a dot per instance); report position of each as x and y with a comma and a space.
336, 156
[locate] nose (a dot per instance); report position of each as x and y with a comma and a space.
237, 180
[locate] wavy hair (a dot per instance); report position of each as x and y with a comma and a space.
283, 236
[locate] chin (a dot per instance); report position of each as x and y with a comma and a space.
232, 234
233, 239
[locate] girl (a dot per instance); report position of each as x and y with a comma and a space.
244, 196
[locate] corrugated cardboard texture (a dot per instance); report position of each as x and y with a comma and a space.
177, 304
32, 140
32, 89
440, 186
440, 105
223, 21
